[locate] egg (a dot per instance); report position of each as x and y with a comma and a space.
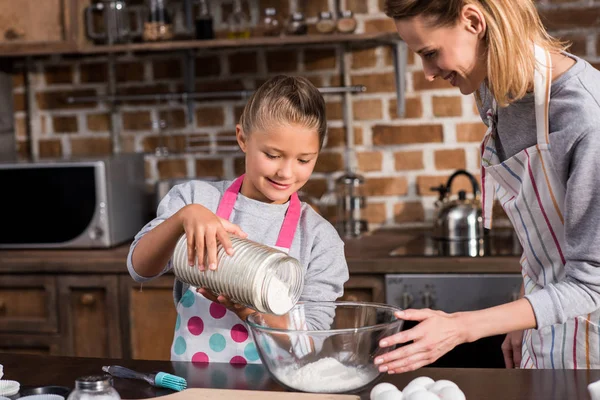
390, 395
410, 389
439, 385
451, 393
424, 381
380, 388
422, 395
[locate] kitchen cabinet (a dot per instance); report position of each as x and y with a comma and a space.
35, 26
89, 309
148, 317
30, 344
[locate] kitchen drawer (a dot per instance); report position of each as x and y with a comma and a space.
28, 304
30, 344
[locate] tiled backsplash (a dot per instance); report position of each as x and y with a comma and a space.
400, 158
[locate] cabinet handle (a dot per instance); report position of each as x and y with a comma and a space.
13, 34
2, 306
87, 299
352, 297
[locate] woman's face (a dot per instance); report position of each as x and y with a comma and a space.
456, 53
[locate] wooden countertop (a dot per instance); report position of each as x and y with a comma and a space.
477, 384
369, 254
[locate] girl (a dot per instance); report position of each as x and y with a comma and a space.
281, 132
540, 158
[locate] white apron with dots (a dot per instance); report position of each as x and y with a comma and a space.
533, 198
206, 331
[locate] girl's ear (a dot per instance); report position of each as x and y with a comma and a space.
241, 137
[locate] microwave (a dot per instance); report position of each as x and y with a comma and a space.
86, 203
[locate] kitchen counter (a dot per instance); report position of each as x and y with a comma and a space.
477, 384
369, 254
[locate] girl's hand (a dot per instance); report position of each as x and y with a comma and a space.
203, 229
241, 310
435, 335
511, 349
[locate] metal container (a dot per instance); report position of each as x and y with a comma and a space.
459, 219
257, 276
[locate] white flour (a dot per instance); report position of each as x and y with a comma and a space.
278, 297
326, 376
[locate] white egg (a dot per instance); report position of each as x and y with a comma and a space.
410, 388
439, 385
424, 381
380, 388
390, 395
422, 395
451, 393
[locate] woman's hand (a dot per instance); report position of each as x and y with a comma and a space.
241, 310
511, 349
435, 335
203, 229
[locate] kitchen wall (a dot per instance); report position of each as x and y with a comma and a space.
400, 158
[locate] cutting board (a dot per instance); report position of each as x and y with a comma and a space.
222, 394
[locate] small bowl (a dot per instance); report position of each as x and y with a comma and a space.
324, 347
59, 390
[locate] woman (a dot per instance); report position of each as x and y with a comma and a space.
539, 159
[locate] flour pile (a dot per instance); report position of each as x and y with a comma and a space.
327, 375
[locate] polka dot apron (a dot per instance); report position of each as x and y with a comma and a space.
208, 332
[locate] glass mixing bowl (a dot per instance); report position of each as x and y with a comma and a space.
324, 347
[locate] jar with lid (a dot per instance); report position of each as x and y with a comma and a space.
204, 22
270, 25
297, 24
238, 22
346, 22
159, 25
257, 276
351, 199
325, 24
94, 387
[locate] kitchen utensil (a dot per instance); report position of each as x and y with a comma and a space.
42, 397
226, 394
350, 200
258, 276
115, 21
59, 390
331, 344
461, 218
160, 379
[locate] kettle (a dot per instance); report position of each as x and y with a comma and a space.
459, 219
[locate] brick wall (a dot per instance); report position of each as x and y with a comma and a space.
401, 158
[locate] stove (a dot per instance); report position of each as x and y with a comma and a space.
501, 242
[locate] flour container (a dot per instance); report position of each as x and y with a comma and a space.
257, 276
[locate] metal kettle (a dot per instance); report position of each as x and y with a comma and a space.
458, 219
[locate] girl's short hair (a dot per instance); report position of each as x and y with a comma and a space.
512, 28
285, 100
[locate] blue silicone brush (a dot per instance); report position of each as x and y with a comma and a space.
160, 379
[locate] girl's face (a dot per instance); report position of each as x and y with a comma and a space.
279, 161
456, 54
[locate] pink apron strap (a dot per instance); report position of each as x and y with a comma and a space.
229, 197
290, 222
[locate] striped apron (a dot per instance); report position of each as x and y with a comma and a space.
532, 196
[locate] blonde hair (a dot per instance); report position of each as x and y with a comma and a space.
285, 100
512, 28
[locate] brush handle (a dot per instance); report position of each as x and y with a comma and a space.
122, 372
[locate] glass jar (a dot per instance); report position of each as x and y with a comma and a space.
346, 23
270, 25
95, 387
204, 22
325, 24
238, 22
350, 191
297, 24
159, 25
257, 276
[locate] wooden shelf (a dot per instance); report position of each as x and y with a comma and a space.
41, 49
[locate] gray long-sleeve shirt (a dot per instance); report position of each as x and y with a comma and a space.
316, 243
575, 149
